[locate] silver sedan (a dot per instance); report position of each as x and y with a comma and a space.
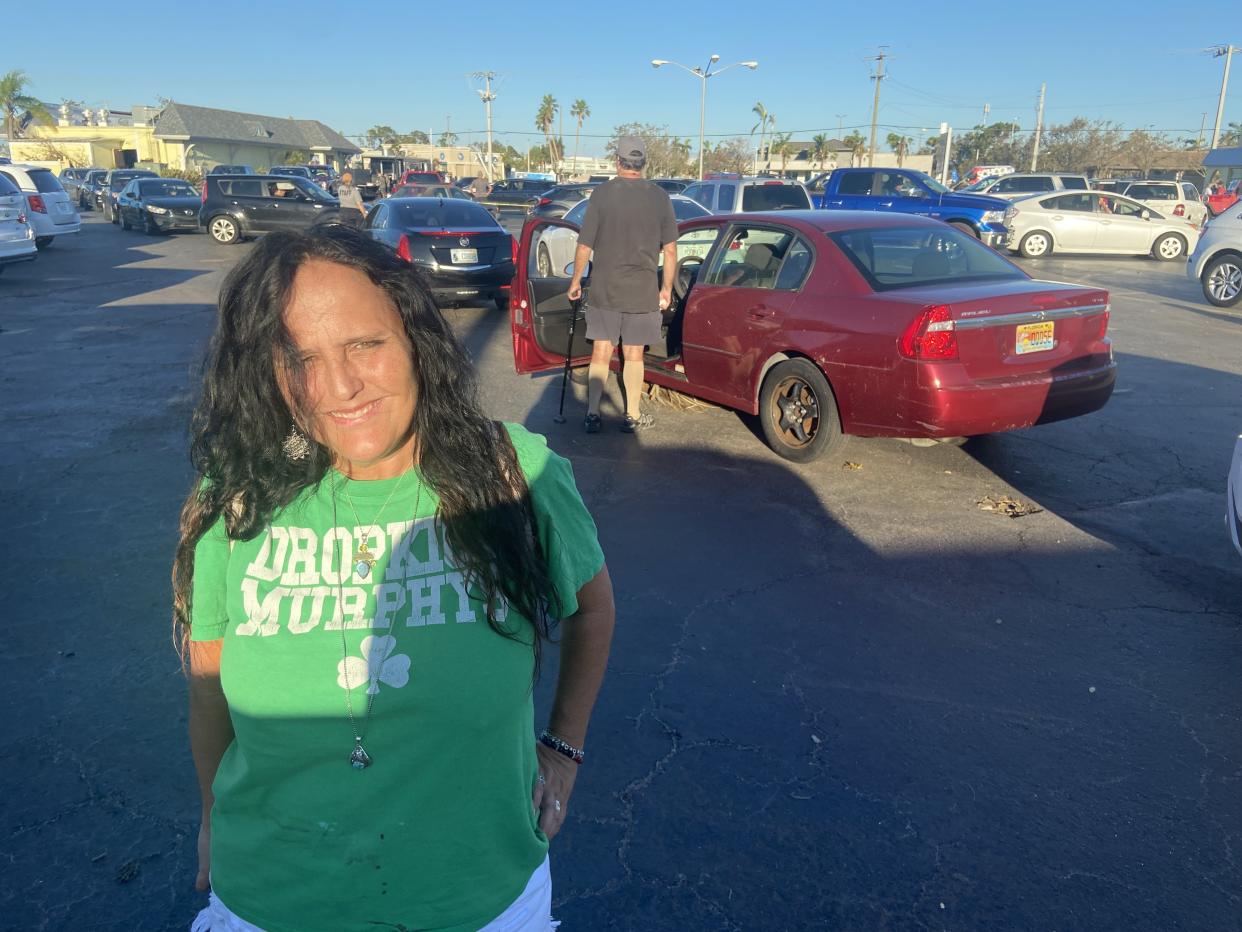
1096, 222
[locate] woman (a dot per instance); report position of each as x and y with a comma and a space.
353, 212
367, 572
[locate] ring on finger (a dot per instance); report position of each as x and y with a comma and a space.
542, 781
556, 804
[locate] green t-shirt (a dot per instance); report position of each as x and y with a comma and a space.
439, 832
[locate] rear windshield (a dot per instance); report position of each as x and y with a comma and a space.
424, 177
1074, 184
913, 256
44, 181
441, 213
120, 180
775, 197
7, 188
166, 187
241, 188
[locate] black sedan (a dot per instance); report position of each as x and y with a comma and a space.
556, 201
158, 205
90, 190
465, 255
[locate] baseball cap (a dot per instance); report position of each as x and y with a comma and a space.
631, 147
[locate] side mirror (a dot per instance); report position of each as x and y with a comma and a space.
1146, 215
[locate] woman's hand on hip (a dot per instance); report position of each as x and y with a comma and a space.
553, 789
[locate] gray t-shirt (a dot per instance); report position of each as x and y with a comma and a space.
349, 196
628, 221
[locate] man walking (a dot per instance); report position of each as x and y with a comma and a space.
628, 222
480, 187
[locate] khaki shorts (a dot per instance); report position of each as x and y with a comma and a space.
627, 329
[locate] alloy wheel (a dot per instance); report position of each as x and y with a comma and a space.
1225, 281
1170, 247
796, 411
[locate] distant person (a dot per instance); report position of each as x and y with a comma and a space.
628, 222
480, 187
353, 211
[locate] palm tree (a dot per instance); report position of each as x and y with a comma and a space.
900, 145
545, 119
819, 149
780, 142
766, 121
857, 144
13, 97
1231, 135
579, 111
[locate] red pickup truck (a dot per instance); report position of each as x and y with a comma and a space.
1222, 198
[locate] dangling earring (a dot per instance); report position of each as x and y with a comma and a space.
296, 446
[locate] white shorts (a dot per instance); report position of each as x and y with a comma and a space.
530, 912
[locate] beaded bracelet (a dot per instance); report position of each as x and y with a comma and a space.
562, 747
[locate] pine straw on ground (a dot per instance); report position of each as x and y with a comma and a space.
667, 398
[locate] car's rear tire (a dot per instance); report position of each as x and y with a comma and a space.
42, 242
798, 412
1170, 247
1036, 245
965, 228
543, 261
1222, 281
224, 229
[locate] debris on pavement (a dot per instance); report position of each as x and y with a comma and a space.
849, 465
1008, 506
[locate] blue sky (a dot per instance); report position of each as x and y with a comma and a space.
1137, 63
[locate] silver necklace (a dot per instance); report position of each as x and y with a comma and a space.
364, 560
359, 759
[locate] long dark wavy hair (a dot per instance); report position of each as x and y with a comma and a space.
242, 418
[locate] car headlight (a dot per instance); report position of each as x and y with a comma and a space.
994, 216
152, 209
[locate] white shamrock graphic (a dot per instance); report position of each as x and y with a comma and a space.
374, 666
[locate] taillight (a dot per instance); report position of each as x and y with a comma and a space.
1179, 210
931, 335
36, 203
403, 248
1103, 331
513, 249
544, 201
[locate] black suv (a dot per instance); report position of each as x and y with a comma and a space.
517, 193
237, 206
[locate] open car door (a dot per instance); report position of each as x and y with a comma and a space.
539, 309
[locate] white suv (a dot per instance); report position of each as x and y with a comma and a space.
1171, 198
1024, 184
16, 237
48, 208
733, 194
1216, 262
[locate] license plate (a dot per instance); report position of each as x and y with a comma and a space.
464, 256
1035, 338
65, 208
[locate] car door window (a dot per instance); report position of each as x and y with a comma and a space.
794, 269
1189, 191
378, 220
751, 258
1069, 202
1120, 207
1074, 184
726, 194
856, 183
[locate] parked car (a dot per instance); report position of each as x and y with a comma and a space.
115, 180
234, 207
1216, 262
463, 252
1222, 197
1171, 198
90, 190
231, 170
672, 185
1233, 498
1095, 222
417, 176
158, 205
903, 190
17, 238
1022, 184
517, 193
830, 323
48, 208
556, 248
292, 171
71, 179
556, 201
1111, 185
431, 190
735, 195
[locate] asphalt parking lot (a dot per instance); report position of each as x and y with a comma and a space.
841, 696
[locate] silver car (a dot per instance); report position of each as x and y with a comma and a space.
1216, 262
1096, 222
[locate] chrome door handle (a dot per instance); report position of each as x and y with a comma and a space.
836, 203
1057, 217
886, 203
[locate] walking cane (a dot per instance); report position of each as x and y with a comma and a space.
569, 351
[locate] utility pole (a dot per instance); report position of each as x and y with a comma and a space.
487, 96
987, 108
1199, 138
875, 106
1039, 126
1227, 51
840, 129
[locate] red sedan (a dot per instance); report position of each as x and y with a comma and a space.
828, 323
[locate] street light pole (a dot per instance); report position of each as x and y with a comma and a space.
703, 74
1227, 51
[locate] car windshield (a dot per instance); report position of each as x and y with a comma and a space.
930, 183
312, 190
980, 184
440, 214
906, 257
44, 181
775, 197
170, 187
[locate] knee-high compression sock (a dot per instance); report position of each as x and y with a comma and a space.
597, 376
632, 376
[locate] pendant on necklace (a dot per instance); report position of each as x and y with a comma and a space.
363, 561
359, 759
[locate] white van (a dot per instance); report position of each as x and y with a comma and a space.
17, 241
48, 208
